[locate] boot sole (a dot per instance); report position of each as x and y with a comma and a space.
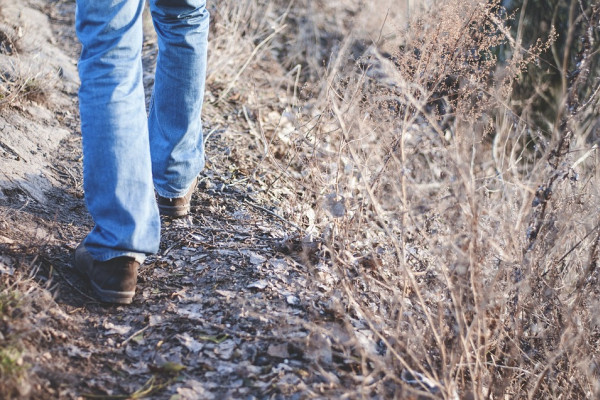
111, 296
167, 211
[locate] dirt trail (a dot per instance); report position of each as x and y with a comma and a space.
220, 312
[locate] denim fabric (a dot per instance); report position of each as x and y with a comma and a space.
127, 154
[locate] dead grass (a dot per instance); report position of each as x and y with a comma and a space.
464, 238
19, 86
30, 320
14, 312
20, 81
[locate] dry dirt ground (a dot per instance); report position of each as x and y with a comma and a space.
222, 311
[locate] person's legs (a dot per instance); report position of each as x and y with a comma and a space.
175, 123
116, 151
120, 156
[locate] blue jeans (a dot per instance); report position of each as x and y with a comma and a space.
127, 154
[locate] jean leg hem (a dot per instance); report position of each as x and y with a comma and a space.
103, 255
173, 195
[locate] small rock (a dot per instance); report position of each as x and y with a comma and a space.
113, 329
278, 350
228, 294
262, 284
225, 350
256, 259
189, 342
194, 390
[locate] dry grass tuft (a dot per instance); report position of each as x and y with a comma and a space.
17, 86
21, 80
29, 320
15, 310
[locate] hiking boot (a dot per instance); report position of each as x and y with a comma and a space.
178, 206
113, 281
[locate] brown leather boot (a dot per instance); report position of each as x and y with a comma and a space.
113, 281
178, 206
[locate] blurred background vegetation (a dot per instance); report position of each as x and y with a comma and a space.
566, 74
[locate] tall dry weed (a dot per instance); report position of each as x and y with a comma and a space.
464, 241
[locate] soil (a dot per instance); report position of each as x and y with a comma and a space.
222, 311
